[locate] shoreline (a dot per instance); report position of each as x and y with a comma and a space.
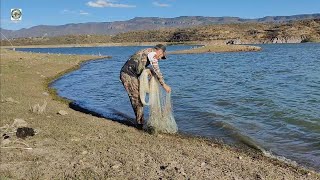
79, 144
48, 81
218, 48
205, 47
96, 45
195, 43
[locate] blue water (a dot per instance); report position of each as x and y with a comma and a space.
269, 98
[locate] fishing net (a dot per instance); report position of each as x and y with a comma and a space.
160, 109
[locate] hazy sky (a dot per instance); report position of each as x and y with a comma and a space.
59, 12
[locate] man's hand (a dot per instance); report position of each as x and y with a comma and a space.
167, 88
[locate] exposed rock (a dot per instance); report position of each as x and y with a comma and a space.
5, 136
259, 177
116, 166
45, 93
5, 142
235, 178
24, 132
19, 123
62, 112
163, 167
280, 39
234, 41
84, 152
10, 99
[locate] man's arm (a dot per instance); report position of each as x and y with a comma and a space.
155, 66
141, 64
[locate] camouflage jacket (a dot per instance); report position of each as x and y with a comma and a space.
139, 61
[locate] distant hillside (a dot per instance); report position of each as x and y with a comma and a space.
141, 23
241, 33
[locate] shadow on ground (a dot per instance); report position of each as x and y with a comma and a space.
126, 120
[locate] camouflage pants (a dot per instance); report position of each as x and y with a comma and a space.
131, 84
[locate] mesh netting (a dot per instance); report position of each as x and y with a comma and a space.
160, 112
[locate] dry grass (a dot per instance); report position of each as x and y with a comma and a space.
81, 146
39, 109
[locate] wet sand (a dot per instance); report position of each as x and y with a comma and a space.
81, 146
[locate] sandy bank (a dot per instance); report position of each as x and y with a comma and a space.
206, 48
217, 48
81, 146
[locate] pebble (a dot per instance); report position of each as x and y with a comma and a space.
258, 176
10, 99
5, 141
84, 152
163, 167
116, 166
75, 139
235, 178
19, 123
63, 112
45, 93
182, 172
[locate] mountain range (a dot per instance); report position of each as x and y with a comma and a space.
141, 23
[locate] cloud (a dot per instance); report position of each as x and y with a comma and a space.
83, 12
67, 11
161, 4
108, 3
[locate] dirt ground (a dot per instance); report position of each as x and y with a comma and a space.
74, 145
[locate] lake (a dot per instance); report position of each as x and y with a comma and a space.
268, 99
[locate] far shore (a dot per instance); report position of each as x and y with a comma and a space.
206, 47
98, 45
69, 144
217, 48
